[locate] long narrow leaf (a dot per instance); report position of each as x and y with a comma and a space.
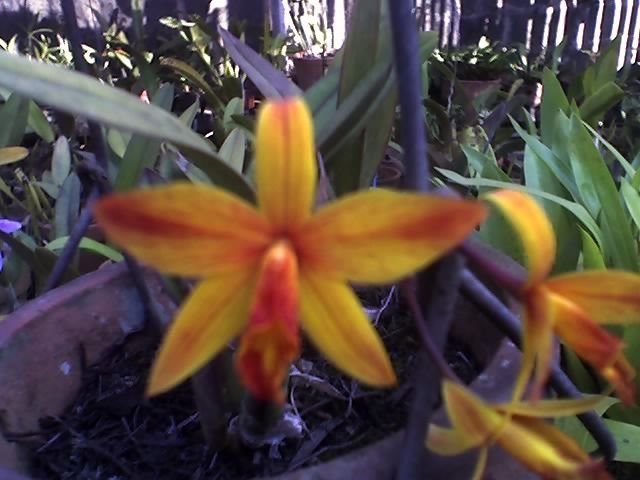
85, 96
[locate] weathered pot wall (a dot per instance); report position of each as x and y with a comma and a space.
41, 356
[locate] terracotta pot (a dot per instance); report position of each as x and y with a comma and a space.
309, 69
43, 344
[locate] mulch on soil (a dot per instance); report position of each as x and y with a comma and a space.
112, 433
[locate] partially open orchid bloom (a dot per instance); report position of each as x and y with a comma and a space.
520, 429
270, 269
572, 306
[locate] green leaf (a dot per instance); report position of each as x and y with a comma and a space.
234, 107
632, 200
574, 428
271, 82
67, 205
118, 141
88, 244
562, 171
85, 96
574, 208
188, 116
60, 161
233, 149
360, 52
39, 123
599, 193
628, 168
538, 176
486, 166
606, 66
600, 102
13, 119
195, 78
352, 109
553, 100
142, 151
592, 258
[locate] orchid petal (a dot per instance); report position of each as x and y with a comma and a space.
547, 451
469, 414
185, 229
552, 408
335, 322
621, 375
382, 236
271, 341
286, 170
213, 314
609, 296
448, 441
595, 345
536, 233
537, 344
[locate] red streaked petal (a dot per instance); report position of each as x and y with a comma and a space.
609, 296
594, 344
213, 314
469, 415
547, 451
334, 320
286, 170
271, 341
622, 376
381, 236
537, 344
185, 229
536, 233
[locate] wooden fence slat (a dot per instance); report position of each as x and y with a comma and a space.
590, 24
537, 30
607, 23
472, 21
464, 22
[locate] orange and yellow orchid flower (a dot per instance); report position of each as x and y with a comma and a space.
573, 305
520, 429
269, 269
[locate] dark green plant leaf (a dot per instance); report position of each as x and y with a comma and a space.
197, 80
599, 193
592, 258
561, 170
538, 176
67, 205
553, 101
142, 151
82, 95
87, 244
233, 149
271, 82
574, 208
60, 161
13, 120
39, 123
600, 102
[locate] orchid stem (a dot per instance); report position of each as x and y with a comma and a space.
437, 286
432, 350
